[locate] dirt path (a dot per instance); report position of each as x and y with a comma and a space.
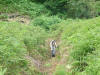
16, 17
54, 62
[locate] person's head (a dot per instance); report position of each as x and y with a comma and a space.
53, 42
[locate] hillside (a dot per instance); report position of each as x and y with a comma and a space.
83, 36
28, 26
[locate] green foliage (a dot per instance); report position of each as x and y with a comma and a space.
60, 70
56, 5
10, 5
11, 49
83, 35
82, 8
3, 16
46, 22
98, 7
8, 2
32, 9
16, 40
62, 8
35, 42
72, 8
25, 7
2, 71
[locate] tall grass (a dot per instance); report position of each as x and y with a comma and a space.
2, 72
83, 36
18, 40
60, 70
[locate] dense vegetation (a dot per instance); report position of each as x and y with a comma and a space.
83, 35
62, 8
75, 22
16, 41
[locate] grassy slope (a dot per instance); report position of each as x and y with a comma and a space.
17, 40
83, 36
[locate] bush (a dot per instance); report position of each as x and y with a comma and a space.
98, 7
82, 8
73, 8
25, 7
56, 6
32, 9
46, 22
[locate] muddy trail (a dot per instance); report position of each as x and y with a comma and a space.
38, 64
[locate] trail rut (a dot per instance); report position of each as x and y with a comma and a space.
40, 65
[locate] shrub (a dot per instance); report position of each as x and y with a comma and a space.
25, 7
56, 6
82, 8
32, 9
98, 7
73, 8
46, 22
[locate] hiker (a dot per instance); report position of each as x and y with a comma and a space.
53, 46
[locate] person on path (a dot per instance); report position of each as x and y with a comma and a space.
53, 47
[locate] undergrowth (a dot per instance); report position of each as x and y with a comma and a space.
18, 40
83, 36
